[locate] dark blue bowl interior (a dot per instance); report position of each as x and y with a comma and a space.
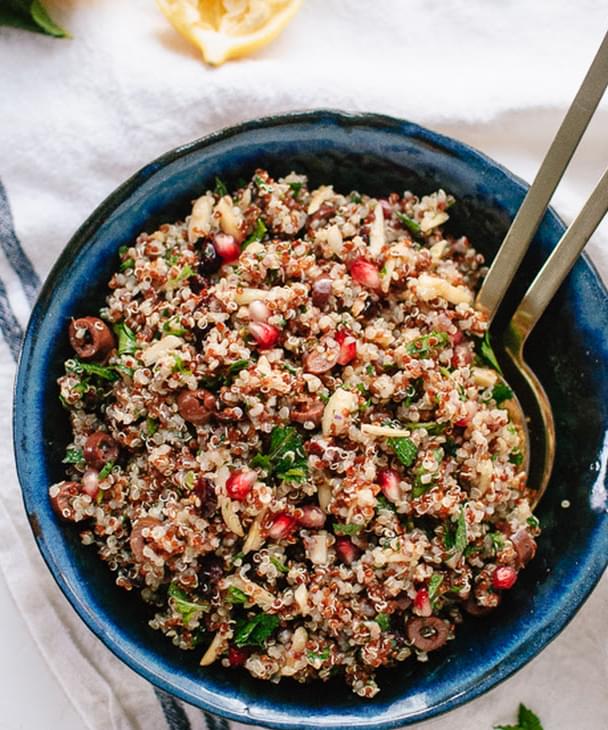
568, 351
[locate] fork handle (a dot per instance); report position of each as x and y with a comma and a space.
531, 211
556, 267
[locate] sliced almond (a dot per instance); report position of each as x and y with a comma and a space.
229, 516
432, 220
431, 287
155, 351
324, 496
372, 430
376, 232
254, 540
319, 197
484, 377
214, 649
200, 218
229, 223
336, 416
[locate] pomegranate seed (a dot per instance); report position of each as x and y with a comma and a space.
386, 208
258, 311
90, 482
227, 247
422, 603
239, 483
504, 577
388, 479
312, 516
463, 422
365, 273
266, 335
281, 527
347, 551
236, 656
348, 347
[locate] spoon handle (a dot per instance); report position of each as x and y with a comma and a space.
531, 211
556, 267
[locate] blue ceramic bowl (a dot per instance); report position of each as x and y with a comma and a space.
569, 351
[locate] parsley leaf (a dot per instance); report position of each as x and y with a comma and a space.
257, 234
318, 656
434, 583
347, 529
220, 187
236, 366
183, 605
383, 503
73, 456
384, 621
432, 427
405, 450
487, 353
296, 187
107, 468
262, 185
516, 457
526, 720
426, 345
151, 426
255, 631
501, 392
285, 458
185, 273
91, 368
235, 595
126, 339
30, 15
281, 567
460, 540
409, 223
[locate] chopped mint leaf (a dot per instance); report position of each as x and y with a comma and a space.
516, 457
183, 605
151, 426
533, 521
238, 365
526, 720
107, 468
321, 656
405, 450
285, 458
257, 234
355, 198
498, 540
73, 456
126, 339
173, 327
296, 187
383, 503
91, 368
426, 345
433, 427
127, 264
235, 595
255, 631
384, 621
262, 185
220, 187
281, 567
461, 541
179, 366
501, 392
409, 223
434, 583
347, 529
486, 352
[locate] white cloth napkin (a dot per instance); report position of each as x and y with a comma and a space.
79, 116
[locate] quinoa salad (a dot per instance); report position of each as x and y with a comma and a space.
289, 435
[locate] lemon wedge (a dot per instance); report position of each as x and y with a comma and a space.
225, 29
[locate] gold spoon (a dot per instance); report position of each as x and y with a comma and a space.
530, 407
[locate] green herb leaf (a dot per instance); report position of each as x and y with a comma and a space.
151, 426
235, 595
172, 327
220, 187
281, 567
501, 392
30, 15
127, 343
185, 273
263, 186
107, 468
409, 223
296, 187
526, 720
179, 366
461, 541
257, 234
285, 458
383, 503
255, 631
318, 656
426, 345
237, 366
405, 450
127, 264
347, 529
516, 457
498, 540
533, 521
384, 621
449, 535
434, 583
90, 368
355, 198
73, 456
487, 353
183, 605
290, 368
